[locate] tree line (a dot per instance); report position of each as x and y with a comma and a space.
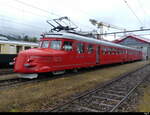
20, 38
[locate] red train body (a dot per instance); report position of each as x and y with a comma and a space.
62, 51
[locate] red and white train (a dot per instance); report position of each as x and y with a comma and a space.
63, 51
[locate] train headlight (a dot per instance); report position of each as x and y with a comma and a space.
27, 65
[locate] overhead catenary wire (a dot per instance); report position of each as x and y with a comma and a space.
125, 1
126, 31
44, 10
35, 7
144, 11
30, 12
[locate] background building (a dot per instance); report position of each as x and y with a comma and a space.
9, 49
136, 42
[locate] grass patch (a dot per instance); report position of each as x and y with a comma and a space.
144, 105
8, 76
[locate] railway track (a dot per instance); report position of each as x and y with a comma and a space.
6, 71
107, 97
10, 83
19, 81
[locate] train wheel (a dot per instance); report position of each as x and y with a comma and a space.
58, 72
75, 70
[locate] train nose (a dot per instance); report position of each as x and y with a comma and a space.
32, 61
20, 60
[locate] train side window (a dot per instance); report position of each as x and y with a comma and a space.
67, 46
56, 44
109, 50
103, 51
113, 51
80, 48
117, 51
90, 48
45, 44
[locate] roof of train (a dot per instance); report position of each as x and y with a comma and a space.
18, 43
86, 39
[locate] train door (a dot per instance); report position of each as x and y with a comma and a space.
97, 54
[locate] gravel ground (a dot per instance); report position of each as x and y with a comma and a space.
8, 76
133, 102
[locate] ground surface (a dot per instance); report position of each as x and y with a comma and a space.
144, 97
44, 95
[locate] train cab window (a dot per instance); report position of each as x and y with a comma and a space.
80, 48
67, 46
56, 44
27, 47
90, 48
45, 44
40, 43
18, 48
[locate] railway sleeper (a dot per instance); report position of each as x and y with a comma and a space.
103, 104
97, 107
105, 98
113, 94
110, 96
117, 92
86, 109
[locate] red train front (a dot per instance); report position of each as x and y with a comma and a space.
47, 58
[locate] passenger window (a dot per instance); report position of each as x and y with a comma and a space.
103, 51
80, 48
45, 44
90, 48
67, 46
56, 44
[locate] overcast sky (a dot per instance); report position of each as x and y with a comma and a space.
28, 17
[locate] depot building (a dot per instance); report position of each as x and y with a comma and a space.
137, 42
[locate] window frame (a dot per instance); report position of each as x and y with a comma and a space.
89, 51
71, 45
50, 44
43, 43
